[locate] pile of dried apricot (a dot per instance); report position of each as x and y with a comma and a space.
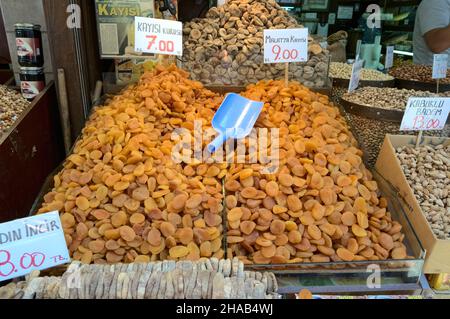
121, 196
322, 204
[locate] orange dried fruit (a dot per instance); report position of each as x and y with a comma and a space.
285, 180
345, 254
362, 220
141, 193
294, 203
235, 214
294, 237
127, 233
277, 227
348, 218
119, 219
167, 229
268, 252
272, 189
178, 251
247, 227
314, 232
82, 203
230, 201
358, 231
194, 201
137, 218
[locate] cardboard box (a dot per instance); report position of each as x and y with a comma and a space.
437, 250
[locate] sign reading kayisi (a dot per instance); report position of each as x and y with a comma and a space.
158, 36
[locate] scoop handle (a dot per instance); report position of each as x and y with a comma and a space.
217, 143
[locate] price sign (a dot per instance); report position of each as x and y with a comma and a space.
356, 75
389, 57
285, 45
424, 114
33, 243
440, 62
158, 36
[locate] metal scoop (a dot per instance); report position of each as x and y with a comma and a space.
234, 119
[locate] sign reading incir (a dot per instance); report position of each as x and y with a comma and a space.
33, 243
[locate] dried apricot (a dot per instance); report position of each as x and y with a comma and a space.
178, 251
294, 203
277, 227
314, 232
167, 229
137, 218
235, 214
127, 233
247, 227
272, 189
194, 201
286, 180
345, 254
294, 237
358, 231
348, 218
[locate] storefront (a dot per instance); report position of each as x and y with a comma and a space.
241, 149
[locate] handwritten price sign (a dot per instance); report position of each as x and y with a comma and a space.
423, 114
440, 62
285, 45
356, 75
33, 243
158, 36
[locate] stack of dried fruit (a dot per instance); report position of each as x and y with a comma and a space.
322, 204
204, 279
121, 196
226, 47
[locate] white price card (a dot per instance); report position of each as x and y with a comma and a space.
285, 45
440, 63
356, 75
158, 36
389, 62
424, 114
32, 243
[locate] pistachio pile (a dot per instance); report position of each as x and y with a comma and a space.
12, 104
121, 196
385, 98
339, 70
205, 279
322, 204
417, 72
226, 47
427, 169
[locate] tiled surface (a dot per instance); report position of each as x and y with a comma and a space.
23, 11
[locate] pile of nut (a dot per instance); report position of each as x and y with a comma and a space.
417, 72
226, 47
121, 196
384, 98
339, 70
322, 204
427, 169
12, 104
205, 279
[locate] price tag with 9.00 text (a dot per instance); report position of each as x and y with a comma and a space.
32, 243
285, 45
356, 75
158, 36
423, 114
440, 64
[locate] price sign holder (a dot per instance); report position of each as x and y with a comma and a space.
425, 114
285, 46
158, 36
356, 74
440, 62
33, 243
389, 61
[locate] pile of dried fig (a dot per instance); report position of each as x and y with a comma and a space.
226, 47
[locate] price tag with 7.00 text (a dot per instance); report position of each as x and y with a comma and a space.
356, 75
32, 243
285, 45
423, 114
440, 64
158, 36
